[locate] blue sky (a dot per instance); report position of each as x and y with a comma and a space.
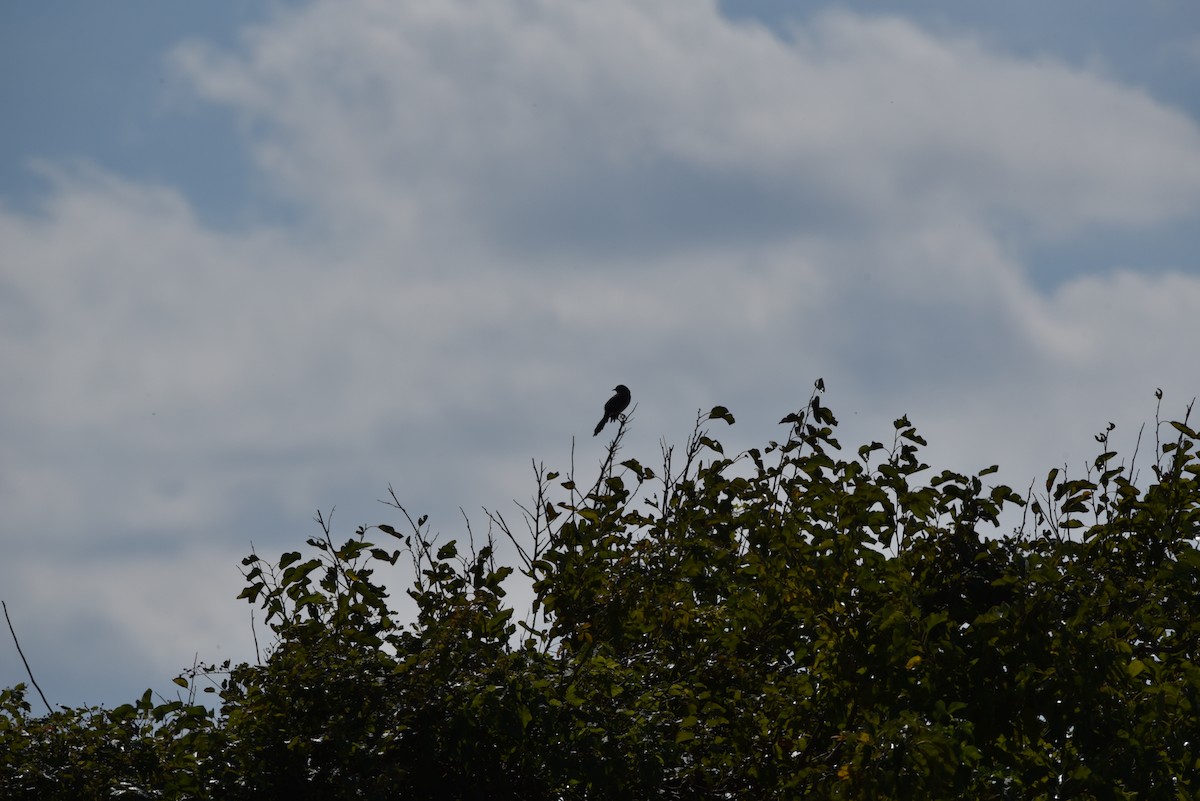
256, 261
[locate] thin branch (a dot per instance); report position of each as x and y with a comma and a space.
606, 467
23, 659
1133, 460
498, 519
254, 633
253, 630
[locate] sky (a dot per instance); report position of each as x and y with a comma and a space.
260, 260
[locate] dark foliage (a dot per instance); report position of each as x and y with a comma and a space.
788, 624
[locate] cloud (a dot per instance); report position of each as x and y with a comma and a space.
619, 122
106, 629
506, 208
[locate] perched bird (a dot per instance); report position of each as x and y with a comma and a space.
616, 404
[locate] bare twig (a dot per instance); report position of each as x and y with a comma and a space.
254, 633
1133, 460
23, 659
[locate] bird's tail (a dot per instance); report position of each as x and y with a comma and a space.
600, 425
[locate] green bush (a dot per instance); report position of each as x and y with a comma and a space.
790, 623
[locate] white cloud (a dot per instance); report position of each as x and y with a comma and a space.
509, 207
525, 115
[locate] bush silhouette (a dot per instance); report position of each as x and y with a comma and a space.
794, 622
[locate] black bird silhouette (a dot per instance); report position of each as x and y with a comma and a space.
616, 404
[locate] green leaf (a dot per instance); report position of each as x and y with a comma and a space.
934, 620
1053, 474
1189, 556
1184, 429
721, 413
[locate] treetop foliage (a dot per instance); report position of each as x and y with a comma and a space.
793, 622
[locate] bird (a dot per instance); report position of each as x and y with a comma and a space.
616, 404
